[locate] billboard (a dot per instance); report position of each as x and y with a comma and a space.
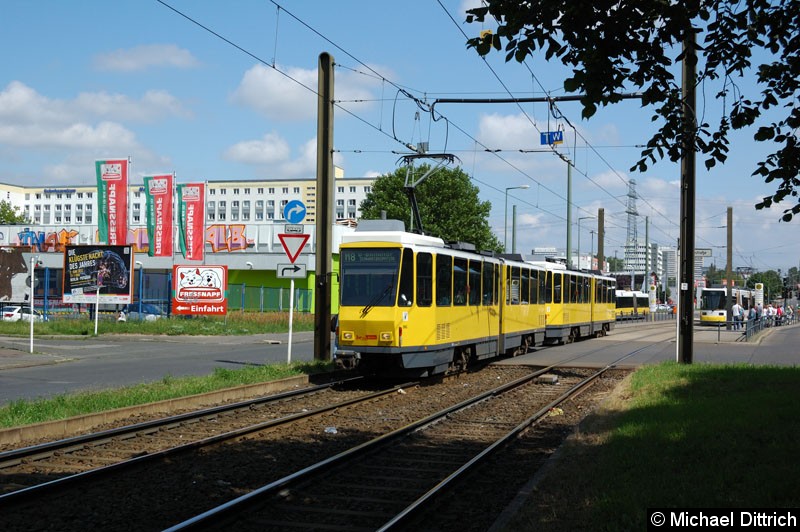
200, 290
87, 266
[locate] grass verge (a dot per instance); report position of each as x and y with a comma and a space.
235, 323
23, 412
682, 436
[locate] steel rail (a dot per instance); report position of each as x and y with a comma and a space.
39, 489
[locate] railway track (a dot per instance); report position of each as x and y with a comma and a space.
385, 483
29, 471
154, 493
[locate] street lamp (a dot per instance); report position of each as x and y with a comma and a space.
579, 238
505, 214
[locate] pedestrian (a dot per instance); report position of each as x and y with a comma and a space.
737, 312
121, 316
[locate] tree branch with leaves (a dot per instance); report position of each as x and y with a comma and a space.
616, 46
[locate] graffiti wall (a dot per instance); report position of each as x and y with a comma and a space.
219, 238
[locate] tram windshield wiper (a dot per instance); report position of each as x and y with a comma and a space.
377, 299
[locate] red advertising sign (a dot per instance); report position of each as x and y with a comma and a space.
112, 201
158, 193
200, 290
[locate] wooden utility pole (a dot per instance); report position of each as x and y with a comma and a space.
728, 272
686, 283
324, 221
601, 235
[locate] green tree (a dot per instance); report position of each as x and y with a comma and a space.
448, 204
613, 47
10, 215
615, 264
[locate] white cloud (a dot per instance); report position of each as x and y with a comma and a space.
143, 57
293, 96
270, 149
273, 156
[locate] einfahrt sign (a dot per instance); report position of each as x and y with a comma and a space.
200, 290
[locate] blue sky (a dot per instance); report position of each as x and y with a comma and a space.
87, 80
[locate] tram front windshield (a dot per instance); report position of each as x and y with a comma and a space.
369, 276
713, 299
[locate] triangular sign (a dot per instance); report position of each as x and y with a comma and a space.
293, 245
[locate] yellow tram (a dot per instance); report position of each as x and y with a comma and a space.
412, 305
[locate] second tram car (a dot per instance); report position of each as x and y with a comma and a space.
713, 303
632, 305
411, 305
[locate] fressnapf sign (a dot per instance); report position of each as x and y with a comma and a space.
200, 290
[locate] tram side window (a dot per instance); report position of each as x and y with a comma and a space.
475, 282
497, 285
513, 286
424, 279
557, 288
488, 284
543, 292
571, 282
459, 281
548, 287
535, 286
405, 296
586, 293
599, 292
444, 280
526, 287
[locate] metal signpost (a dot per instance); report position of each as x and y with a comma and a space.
293, 241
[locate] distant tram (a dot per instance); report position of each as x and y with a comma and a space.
632, 305
713, 303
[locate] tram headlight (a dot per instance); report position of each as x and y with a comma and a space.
386, 336
348, 336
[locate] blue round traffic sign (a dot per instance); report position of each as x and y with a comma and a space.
294, 212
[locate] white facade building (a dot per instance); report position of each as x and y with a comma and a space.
250, 201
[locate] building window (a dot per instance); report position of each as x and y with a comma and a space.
223, 191
367, 190
89, 218
236, 191
222, 216
285, 190
212, 191
211, 216
89, 194
271, 190
352, 189
259, 216
296, 190
88, 206
247, 191
340, 190
79, 207
340, 202
222, 205
136, 219
38, 195
80, 195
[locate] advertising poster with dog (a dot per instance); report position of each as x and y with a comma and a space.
200, 290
